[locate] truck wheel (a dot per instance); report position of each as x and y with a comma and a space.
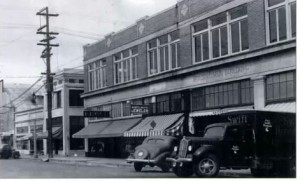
138, 166
185, 171
207, 166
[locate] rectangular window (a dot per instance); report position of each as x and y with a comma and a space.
74, 98
211, 40
116, 110
163, 104
163, 53
22, 130
126, 109
126, 65
58, 99
76, 124
278, 12
281, 87
97, 75
223, 95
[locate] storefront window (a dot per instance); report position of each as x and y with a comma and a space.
223, 95
281, 87
76, 124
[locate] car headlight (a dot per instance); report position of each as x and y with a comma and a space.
140, 154
190, 148
175, 148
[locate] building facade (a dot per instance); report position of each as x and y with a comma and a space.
67, 113
193, 60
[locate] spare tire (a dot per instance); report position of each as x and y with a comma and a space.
141, 153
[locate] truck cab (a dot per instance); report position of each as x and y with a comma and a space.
263, 144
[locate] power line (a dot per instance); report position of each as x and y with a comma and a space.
23, 93
23, 101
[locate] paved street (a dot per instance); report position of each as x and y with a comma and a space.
27, 168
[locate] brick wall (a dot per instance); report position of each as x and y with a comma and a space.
256, 24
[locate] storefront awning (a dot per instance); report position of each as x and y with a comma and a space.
153, 125
288, 107
56, 134
25, 137
176, 129
219, 111
91, 130
112, 128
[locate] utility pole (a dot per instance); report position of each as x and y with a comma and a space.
49, 79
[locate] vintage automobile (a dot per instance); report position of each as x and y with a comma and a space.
6, 152
153, 152
265, 142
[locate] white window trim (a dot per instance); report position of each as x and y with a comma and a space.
157, 48
94, 70
121, 60
209, 30
287, 6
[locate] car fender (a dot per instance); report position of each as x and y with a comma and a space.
205, 149
161, 156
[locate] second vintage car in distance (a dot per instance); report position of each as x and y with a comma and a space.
153, 152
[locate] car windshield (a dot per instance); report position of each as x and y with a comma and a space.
217, 131
155, 141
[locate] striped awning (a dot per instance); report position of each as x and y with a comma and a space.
287, 107
153, 125
176, 129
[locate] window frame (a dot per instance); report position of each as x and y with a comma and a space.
204, 92
278, 100
157, 48
131, 58
287, 5
209, 30
98, 75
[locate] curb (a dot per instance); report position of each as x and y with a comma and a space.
81, 162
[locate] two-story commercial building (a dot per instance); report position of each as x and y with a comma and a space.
190, 61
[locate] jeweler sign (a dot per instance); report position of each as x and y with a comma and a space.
100, 114
139, 109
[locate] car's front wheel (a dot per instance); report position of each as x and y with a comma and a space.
185, 171
207, 166
138, 166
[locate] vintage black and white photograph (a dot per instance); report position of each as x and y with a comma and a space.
147, 89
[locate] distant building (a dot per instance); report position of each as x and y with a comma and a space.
12, 99
67, 112
29, 119
195, 59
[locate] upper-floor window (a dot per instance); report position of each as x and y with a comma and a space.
56, 100
125, 64
221, 35
281, 20
163, 53
281, 87
74, 98
223, 95
97, 75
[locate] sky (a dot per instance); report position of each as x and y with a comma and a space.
80, 22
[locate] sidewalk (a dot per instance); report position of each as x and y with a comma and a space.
87, 161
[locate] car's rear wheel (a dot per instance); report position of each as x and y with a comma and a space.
207, 166
138, 166
185, 171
